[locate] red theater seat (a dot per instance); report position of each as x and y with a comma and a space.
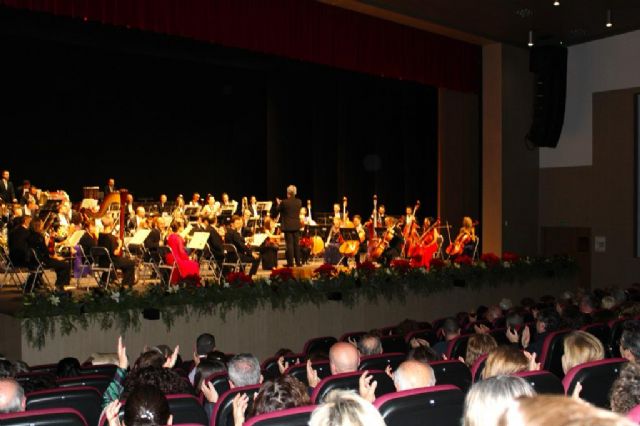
380, 362
97, 381
299, 371
319, 345
353, 335
223, 411
596, 377
552, 350
478, 367
440, 405
44, 417
86, 400
393, 343
298, 416
270, 365
452, 372
350, 381
542, 381
458, 346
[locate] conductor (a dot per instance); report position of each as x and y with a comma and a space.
289, 211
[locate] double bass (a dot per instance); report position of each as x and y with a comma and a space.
409, 230
373, 243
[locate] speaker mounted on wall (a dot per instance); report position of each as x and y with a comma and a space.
549, 64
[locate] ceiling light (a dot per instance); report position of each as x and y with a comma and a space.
609, 23
556, 3
530, 44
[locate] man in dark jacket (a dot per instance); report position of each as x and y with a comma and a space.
289, 211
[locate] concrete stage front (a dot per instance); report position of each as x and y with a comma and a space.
265, 330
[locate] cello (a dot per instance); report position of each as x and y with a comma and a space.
465, 236
422, 252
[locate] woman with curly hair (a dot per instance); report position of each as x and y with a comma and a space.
274, 395
625, 391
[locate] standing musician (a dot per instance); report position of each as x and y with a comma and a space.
362, 236
289, 211
380, 215
465, 241
109, 187
253, 206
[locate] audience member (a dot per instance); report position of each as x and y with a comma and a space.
145, 406
555, 410
369, 345
424, 354
68, 367
478, 345
625, 391
581, 347
630, 341
487, 399
12, 398
450, 329
345, 408
343, 358
505, 360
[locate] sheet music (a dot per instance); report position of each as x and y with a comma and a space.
73, 240
139, 237
258, 239
198, 240
186, 231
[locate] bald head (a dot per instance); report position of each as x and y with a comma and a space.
343, 358
11, 396
412, 375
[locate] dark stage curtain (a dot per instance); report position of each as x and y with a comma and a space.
297, 29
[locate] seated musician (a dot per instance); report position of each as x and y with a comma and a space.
247, 230
163, 206
154, 239
362, 237
253, 206
226, 202
465, 242
334, 239
18, 241
211, 206
234, 237
114, 246
269, 248
215, 240
426, 246
88, 240
178, 210
195, 200
187, 270
136, 221
38, 242
393, 237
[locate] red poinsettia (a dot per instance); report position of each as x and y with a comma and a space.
511, 257
437, 264
401, 265
238, 278
490, 259
367, 266
464, 260
282, 274
326, 269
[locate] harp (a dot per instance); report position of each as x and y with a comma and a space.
114, 198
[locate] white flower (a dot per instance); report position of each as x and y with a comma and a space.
115, 295
173, 289
506, 264
54, 300
267, 281
482, 265
226, 284
387, 271
355, 275
456, 265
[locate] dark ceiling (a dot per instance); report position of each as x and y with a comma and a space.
509, 21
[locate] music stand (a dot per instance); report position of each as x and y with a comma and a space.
225, 215
319, 230
251, 223
192, 212
349, 234
263, 207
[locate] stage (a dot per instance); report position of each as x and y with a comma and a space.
267, 314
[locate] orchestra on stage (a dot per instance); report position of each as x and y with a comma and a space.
111, 234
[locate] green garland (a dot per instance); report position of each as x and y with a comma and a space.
42, 314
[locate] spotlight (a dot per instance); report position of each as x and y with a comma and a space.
609, 23
530, 44
556, 3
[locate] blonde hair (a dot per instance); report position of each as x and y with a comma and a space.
581, 347
487, 399
478, 345
555, 410
505, 360
345, 408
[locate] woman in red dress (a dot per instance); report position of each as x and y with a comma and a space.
187, 269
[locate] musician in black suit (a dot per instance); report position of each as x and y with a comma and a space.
7, 192
110, 187
289, 211
215, 240
18, 245
244, 251
36, 241
114, 246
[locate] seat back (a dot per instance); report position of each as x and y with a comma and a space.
84, 399
353, 335
270, 365
187, 409
596, 378
350, 381
500, 335
223, 411
393, 343
298, 416
44, 417
319, 345
425, 334
478, 367
542, 381
440, 405
616, 328
220, 382
299, 371
601, 331
105, 370
458, 346
97, 381
101, 257
552, 350
452, 372
380, 362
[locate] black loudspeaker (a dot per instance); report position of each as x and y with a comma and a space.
549, 64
